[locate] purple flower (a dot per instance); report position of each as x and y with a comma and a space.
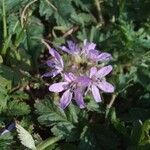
71, 48
75, 82
56, 63
87, 51
93, 54
73, 88
98, 82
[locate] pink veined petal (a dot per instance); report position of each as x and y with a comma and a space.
58, 87
104, 57
64, 48
66, 77
57, 57
106, 87
78, 97
96, 94
93, 54
73, 47
52, 73
52, 52
104, 71
69, 77
93, 71
65, 99
88, 46
83, 81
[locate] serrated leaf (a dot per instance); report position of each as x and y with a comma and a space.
5, 73
15, 108
66, 130
87, 140
3, 98
13, 6
34, 34
5, 141
25, 137
45, 9
51, 115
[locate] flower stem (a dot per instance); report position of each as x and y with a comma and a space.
48, 142
112, 100
97, 3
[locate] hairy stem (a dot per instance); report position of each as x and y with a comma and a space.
97, 3
112, 101
23, 15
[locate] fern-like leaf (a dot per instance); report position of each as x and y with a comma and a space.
25, 137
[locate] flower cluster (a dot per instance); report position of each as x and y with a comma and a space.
83, 71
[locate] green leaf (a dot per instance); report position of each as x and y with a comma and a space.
34, 35
13, 6
25, 137
72, 113
1, 59
87, 140
145, 137
51, 115
46, 8
82, 18
6, 141
15, 108
136, 132
8, 80
3, 98
20, 59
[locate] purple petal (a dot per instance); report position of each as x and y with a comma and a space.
48, 74
104, 71
78, 96
93, 54
60, 60
55, 72
52, 52
51, 63
93, 71
88, 46
65, 49
65, 99
104, 57
58, 87
83, 81
52, 73
72, 46
57, 56
106, 87
96, 94
69, 77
